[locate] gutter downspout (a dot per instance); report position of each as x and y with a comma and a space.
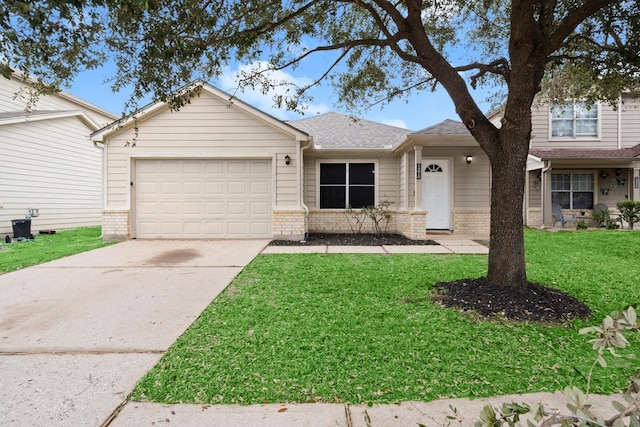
543, 183
301, 180
619, 122
104, 181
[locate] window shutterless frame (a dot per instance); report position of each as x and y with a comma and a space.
573, 190
574, 121
346, 184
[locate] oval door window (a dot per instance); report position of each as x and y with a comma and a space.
433, 168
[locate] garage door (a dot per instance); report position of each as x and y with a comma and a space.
199, 199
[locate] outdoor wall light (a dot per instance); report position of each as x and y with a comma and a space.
469, 159
287, 160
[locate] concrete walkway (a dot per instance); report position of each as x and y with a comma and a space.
76, 335
447, 244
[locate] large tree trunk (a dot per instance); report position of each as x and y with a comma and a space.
506, 249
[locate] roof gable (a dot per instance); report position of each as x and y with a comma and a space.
154, 108
446, 127
12, 117
77, 103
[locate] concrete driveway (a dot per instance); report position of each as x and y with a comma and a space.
77, 333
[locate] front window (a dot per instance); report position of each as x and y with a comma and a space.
572, 190
344, 185
574, 120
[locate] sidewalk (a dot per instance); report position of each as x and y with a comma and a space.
405, 414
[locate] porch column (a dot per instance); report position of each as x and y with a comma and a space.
636, 184
546, 194
418, 182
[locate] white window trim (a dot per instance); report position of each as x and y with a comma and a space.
574, 137
376, 175
593, 172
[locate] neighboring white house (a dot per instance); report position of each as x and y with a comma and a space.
47, 161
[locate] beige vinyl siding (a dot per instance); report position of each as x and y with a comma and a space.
471, 182
50, 165
630, 113
9, 102
541, 135
206, 128
386, 168
535, 189
402, 181
389, 181
310, 184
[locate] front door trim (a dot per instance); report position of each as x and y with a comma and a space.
443, 219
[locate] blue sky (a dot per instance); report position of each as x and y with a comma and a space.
422, 109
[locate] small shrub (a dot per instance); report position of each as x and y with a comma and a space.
582, 225
379, 215
629, 211
355, 219
601, 216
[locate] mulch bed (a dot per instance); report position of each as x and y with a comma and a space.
534, 303
352, 239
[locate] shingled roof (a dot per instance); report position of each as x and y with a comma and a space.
446, 127
339, 131
624, 153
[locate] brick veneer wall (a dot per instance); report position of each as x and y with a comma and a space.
412, 224
288, 224
408, 223
338, 221
534, 217
472, 221
116, 225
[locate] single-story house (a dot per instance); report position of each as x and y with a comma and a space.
47, 162
220, 168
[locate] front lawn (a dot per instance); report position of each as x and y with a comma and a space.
361, 328
47, 247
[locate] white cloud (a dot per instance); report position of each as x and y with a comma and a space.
394, 122
284, 83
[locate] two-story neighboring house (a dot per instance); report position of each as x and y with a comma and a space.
581, 156
47, 161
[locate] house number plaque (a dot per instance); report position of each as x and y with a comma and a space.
419, 171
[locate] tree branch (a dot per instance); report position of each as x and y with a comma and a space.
499, 66
570, 22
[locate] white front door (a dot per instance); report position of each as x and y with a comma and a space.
436, 193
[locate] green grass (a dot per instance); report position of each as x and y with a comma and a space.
47, 247
360, 328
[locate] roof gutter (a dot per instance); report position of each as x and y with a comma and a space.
103, 173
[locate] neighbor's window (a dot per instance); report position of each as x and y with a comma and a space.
347, 184
574, 120
572, 190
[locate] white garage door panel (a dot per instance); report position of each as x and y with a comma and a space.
203, 198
